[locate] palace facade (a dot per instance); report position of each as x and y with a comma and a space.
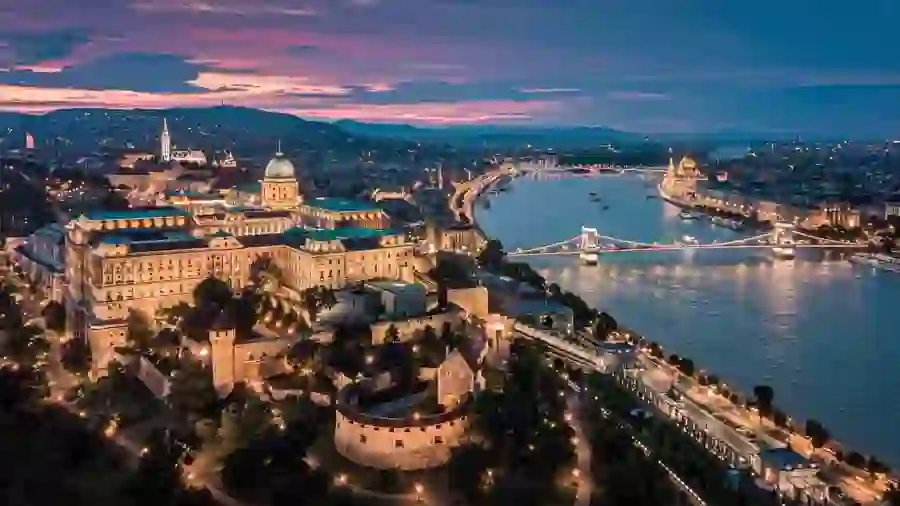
117, 262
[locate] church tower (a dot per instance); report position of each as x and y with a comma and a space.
165, 143
279, 188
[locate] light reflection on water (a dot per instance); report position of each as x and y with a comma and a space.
819, 331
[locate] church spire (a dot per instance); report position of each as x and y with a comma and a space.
278, 149
165, 143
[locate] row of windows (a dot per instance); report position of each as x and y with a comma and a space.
114, 295
398, 443
451, 423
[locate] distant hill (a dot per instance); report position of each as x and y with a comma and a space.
254, 131
236, 128
496, 135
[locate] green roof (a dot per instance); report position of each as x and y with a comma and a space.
336, 234
134, 214
342, 205
144, 236
251, 187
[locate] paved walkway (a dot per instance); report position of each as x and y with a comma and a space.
583, 452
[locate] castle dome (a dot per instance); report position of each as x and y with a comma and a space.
279, 168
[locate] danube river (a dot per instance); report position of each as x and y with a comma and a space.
820, 331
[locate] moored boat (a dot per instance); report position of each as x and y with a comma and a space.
589, 258
784, 251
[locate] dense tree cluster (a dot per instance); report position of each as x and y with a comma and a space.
526, 445
614, 424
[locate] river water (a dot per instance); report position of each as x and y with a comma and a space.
818, 329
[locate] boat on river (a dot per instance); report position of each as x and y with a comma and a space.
589, 258
689, 240
879, 261
687, 215
784, 251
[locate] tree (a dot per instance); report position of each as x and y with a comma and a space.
139, 334
599, 330
492, 255
327, 297
779, 418
817, 433
609, 323
875, 466
76, 356
55, 316
892, 496
271, 468
554, 291
192, 392
212, 294
26, 345
158, 478
764, 395
266, 274
855, 459
686, 366
450, 271
429, 334
392, 335
472, 470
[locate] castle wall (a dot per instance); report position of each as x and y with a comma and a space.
474, 301
407, 328
397, 444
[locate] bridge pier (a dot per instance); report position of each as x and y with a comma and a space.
588, 244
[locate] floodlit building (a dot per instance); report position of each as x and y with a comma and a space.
400, 300
409, 428
146, 259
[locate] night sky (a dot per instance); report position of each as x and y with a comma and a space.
812, 66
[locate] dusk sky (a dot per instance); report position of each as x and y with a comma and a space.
816, 66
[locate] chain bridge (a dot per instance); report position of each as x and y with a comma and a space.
591, 241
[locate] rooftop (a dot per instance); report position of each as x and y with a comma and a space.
398, 287
342, 205
250, 187
336, 234
782, 459
194, 195
135, 214
146, 236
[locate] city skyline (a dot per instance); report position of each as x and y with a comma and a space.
645, 66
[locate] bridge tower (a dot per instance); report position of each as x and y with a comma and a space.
589, 240
783, 240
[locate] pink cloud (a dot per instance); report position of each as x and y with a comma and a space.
37, 100
228, 7
256, 84
636, 96
467, 112
549, 90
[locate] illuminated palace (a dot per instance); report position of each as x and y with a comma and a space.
148, 259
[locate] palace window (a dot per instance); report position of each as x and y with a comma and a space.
438, 440
362, 438
398, 443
